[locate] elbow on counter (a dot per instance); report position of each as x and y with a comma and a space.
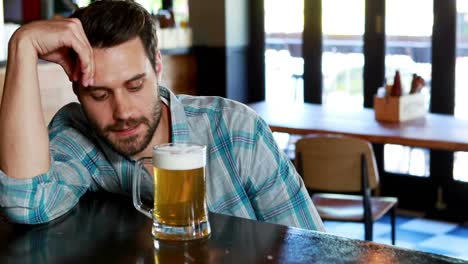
36, 200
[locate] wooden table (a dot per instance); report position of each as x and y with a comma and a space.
435, 131
107, 229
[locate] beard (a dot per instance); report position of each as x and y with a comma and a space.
135, 144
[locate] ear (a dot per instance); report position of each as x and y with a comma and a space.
158, 64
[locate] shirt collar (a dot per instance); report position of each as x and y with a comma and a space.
179, 122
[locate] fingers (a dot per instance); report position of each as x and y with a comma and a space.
62, 41
88, 69
68, 65
84, 66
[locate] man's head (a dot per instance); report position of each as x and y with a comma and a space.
123, 104
110, 23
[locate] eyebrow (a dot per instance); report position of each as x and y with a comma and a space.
134, 78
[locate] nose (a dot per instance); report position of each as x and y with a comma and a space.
122, 107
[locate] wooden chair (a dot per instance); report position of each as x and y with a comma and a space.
346, 167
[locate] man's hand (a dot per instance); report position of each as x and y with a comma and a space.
61, 41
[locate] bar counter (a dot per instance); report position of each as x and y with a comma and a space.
105, 228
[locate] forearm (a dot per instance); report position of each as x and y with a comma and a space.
24, 143
41, 199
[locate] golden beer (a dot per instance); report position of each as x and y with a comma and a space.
179, 196
179, 211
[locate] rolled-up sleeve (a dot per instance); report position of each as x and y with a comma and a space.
46, 196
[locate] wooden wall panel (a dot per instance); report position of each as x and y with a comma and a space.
180, 74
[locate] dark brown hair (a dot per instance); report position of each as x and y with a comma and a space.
108, 23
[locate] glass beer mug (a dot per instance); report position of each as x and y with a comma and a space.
180, 211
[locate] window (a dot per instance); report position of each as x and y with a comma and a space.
408, 49
342, 58
460, 166
284, 64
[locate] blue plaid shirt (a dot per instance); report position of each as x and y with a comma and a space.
246, 174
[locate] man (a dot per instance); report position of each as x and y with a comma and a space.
109, 51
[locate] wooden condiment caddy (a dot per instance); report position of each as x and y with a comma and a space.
399, 108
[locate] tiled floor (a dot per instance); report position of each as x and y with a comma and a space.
417, 233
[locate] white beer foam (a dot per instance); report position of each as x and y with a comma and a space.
179, 157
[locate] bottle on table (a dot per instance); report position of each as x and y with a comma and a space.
396, 88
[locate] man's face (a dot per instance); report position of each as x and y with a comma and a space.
123, 104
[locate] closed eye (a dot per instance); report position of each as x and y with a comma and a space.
136, 85
135, 88
99, 94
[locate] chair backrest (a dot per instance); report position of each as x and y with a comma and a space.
333, 163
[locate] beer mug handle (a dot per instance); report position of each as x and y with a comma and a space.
139, 170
